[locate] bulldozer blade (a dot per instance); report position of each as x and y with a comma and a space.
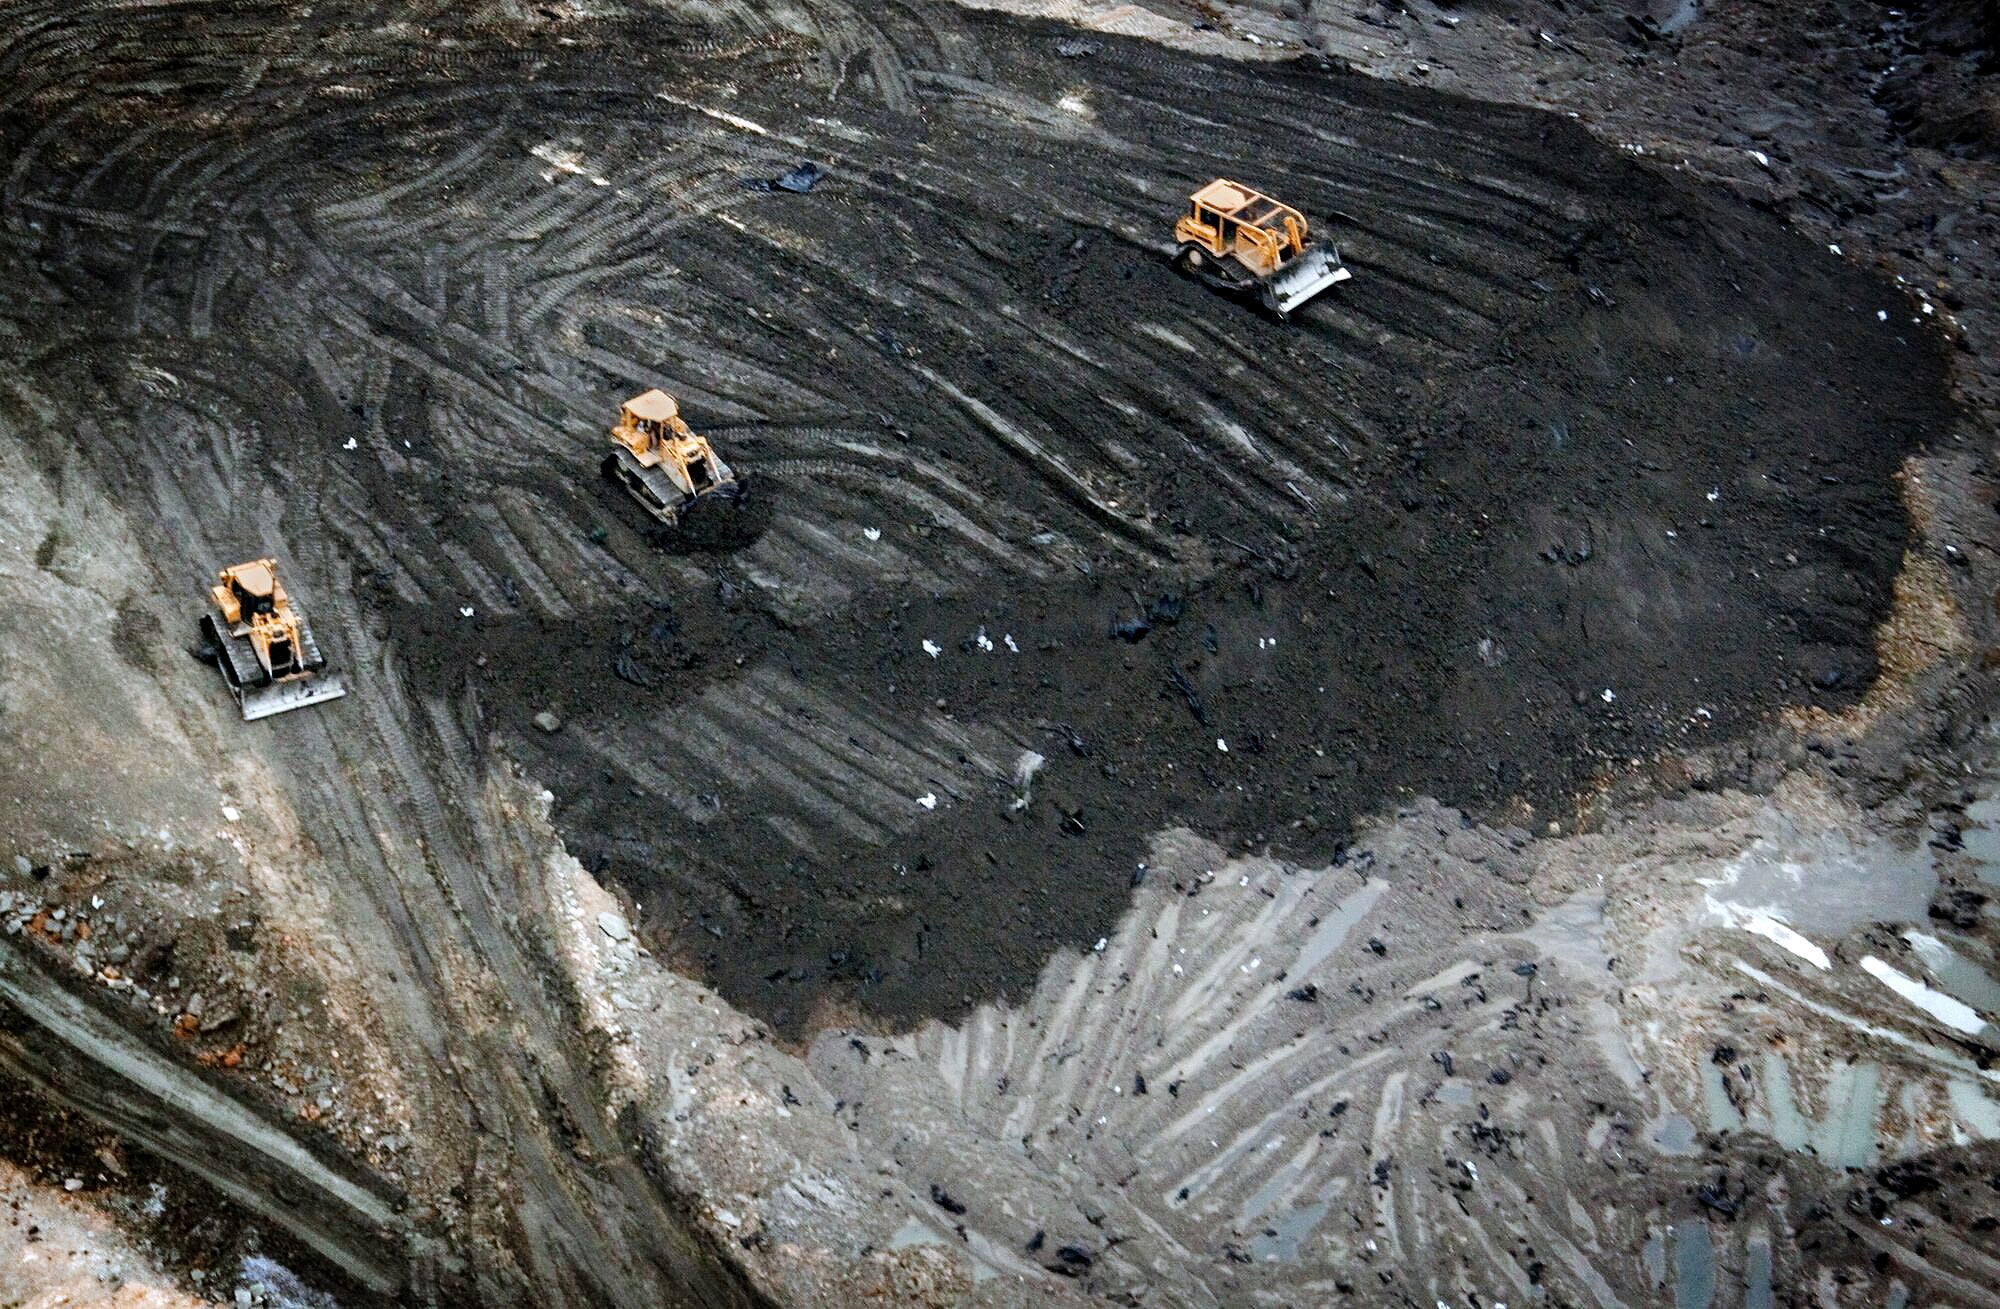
283, 697
1303, 278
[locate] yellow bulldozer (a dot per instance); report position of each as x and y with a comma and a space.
661, 462
1244, 242
262, 644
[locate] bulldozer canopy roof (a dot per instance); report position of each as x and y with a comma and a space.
654, 406
1242, 204
258, 577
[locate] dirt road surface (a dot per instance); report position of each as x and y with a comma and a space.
1143, 800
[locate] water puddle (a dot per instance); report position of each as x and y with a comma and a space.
1654, 1257
1961, 977
1282, 1238
1694, 1266
1949, 1010
1757, 1274
1797, 884
1672, 1134
912, 1233
1572, 933
1788, 1126
1978, 1115
1333, 929
1981, 835
1845, 1138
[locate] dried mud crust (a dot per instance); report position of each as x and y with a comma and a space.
1586, 464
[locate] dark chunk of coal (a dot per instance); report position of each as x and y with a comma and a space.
1132, 630
1959, 907
1307, 994
1180, 682
801, 179
1715, 1195
1076, 1256
942, 1199
1908, 1178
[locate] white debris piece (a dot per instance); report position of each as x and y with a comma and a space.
1102, 941
1607, 695
983, 641
1714, 494
872, 533
932, 648
230, 813
1882, 315
351, 444
928, 800
465, 611
1762, 159
1025, 769
1947, 1009
1222, 745
1775, 929
1832, 248
1008, 640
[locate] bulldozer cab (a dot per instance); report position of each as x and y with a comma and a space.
653, 417
650, 427
255, 585
248, 591
1229, 218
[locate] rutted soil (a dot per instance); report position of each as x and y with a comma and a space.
1585, 464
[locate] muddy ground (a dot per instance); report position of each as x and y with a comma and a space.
1594, 482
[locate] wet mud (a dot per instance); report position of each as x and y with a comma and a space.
1047, 547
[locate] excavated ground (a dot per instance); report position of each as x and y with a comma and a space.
1584, 463
1050, 557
